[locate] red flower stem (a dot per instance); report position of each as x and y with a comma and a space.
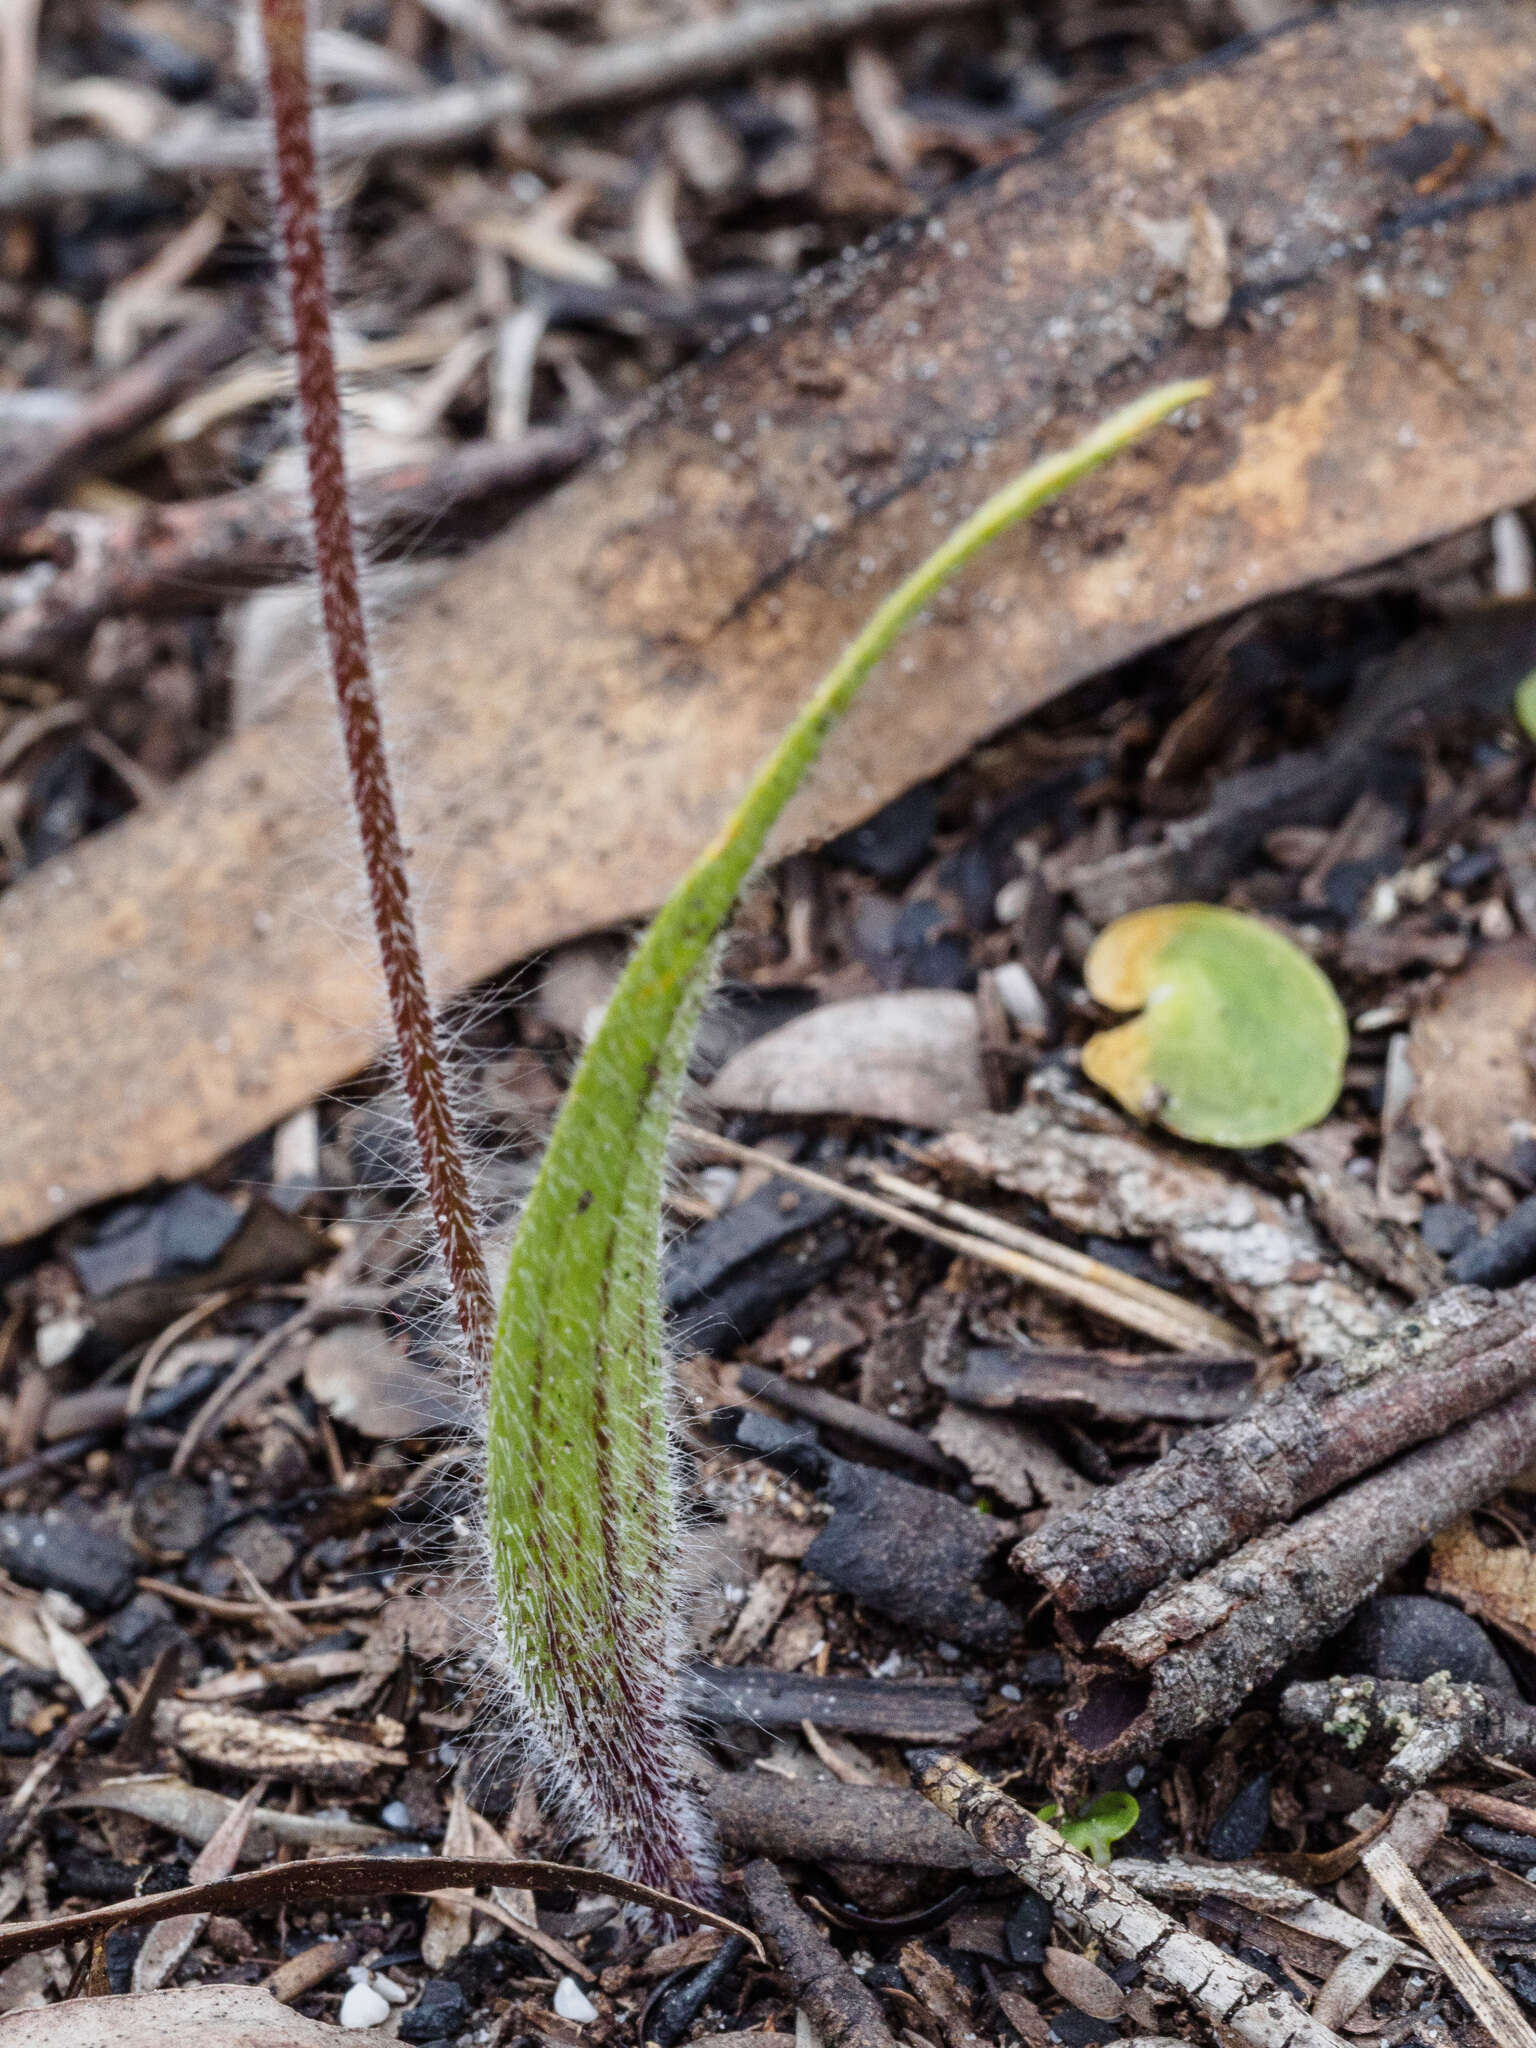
284, 23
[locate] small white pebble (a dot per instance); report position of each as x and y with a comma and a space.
397, 1815
386, 1987
363, 2007
572, 2003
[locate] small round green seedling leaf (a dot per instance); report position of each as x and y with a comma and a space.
1111, 1815
1525, 706
1241, 1039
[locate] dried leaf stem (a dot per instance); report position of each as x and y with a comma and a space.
422, 1067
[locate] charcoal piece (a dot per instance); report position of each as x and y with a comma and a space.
792, 1446
1506, 1254
136, 1635
942, 962
1043, 1667
59, 803
934, 1710
1412, 1636
1074, 2029
745, 1305
1347, 884
1504, 1845
1468, 869
1446, 1227
1028, 1929
1240, 1828
1520, 1976
1146, 1838
676, 2009
698, 1262
971, 876
892, 844
156, 1240
122, 1950
57, 1553
84, 1874
442, 2010
912, 1554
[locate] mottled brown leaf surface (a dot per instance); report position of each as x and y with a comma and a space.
580, 703
1498, 1586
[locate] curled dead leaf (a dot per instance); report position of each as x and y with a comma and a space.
913, 1057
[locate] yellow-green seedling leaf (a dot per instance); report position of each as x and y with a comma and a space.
1111, 1815
1525, 706
580, 1514
1241, 1039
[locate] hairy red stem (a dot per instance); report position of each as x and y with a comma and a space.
423, 1072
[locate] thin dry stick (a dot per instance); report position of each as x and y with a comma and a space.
1038, 1246
167, 1341
1133, 1303
421, 1062
1478, 1986
1095, 1901
232, 1384
352, 1600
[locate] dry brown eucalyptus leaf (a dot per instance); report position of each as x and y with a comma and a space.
213, 2015
579, 703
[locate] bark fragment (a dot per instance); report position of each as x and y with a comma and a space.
1422, 1727
1428, 1370
1094, 1901
796, 1820
1098, 1174
1193, 1651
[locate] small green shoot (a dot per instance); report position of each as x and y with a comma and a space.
1525, 706
1111, 1815
1241, 1038
581, 1525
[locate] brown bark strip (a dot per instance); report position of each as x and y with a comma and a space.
758, 1814
285, 29
674, 603
1094, 1901
1434, 1366
195, 556
1097, 1172
1193, 1651
842, 2009
125, 403
344, 1877
1423, 1727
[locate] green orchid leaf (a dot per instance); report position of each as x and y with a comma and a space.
1091, 1833
1241, 1038
580, 1513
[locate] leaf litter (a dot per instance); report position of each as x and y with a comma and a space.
976, 902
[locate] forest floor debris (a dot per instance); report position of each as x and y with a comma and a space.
938, 1304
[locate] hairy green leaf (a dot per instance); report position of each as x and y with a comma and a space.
580, 1513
